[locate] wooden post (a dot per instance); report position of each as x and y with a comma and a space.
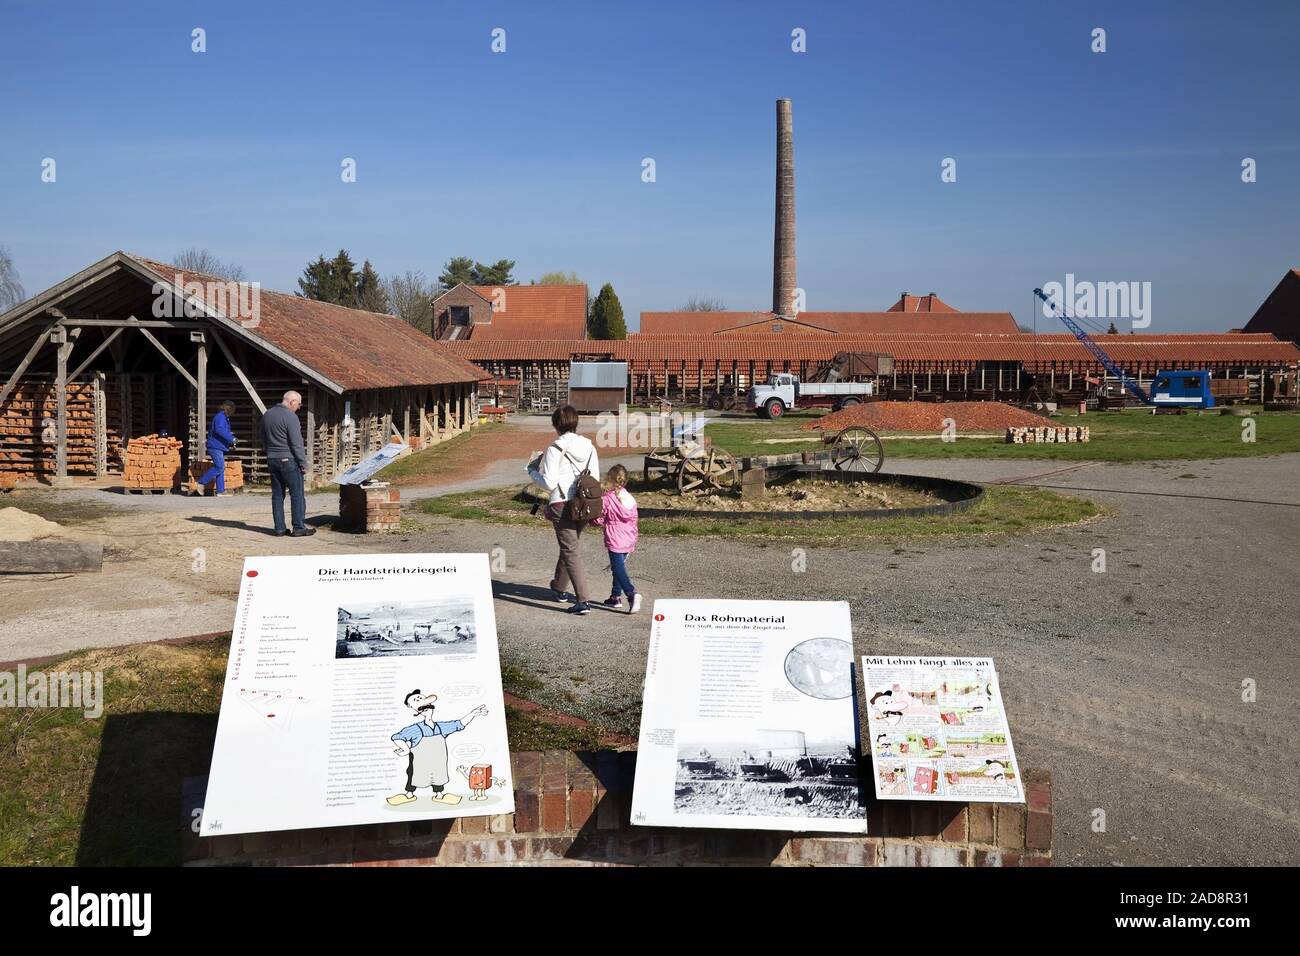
61, 406
101, 425
201, 397
311, 435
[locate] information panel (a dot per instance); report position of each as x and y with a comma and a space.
360, 689
748, 718
938, 730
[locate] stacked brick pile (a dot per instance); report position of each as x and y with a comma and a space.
375, 507
28, 435
234, 475
1035, 436
152, 462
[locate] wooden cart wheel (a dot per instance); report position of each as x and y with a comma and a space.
706, 468
858, 449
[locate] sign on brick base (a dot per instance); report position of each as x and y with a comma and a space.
572, 809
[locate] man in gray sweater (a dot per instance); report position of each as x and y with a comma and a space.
286, 458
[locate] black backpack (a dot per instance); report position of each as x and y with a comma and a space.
588, 499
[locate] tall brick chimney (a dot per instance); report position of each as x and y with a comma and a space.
783, 256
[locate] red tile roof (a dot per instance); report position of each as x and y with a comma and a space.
910, 349
836, 323
354, 349
920, 303
534, 312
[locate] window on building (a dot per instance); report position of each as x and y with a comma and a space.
459, 314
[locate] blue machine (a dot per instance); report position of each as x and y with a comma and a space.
1188, 388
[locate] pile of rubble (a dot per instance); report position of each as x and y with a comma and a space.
930, 417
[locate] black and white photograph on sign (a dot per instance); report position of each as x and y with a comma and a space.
777, 772
441, 626
748, 720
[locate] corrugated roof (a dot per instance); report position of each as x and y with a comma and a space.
1032, 351
838, 323
351, 347
533, 311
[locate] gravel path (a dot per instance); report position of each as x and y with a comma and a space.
1127, 684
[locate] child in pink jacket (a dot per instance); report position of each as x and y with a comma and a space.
619, 521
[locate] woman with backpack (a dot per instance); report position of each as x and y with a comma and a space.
567, 470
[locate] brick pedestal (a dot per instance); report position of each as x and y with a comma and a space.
572, 809
373, 507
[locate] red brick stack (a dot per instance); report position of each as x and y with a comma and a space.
153, 462
234, 475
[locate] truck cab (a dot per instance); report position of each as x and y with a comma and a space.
772, 399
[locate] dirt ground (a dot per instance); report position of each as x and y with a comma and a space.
1127, 685
806, 494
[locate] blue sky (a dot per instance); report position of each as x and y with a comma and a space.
1120, 166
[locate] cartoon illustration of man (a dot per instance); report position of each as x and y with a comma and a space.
424, 744
995, 770
885, 746
480, 778
888, 708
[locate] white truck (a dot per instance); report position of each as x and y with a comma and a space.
784, 391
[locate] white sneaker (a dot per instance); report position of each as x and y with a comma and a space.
636, 603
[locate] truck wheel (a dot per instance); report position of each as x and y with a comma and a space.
774, 408
715, 403
850, 402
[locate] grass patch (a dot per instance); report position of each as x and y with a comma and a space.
1130, 435
420, 466
107, 792
533, 732
104, 792
1003, 509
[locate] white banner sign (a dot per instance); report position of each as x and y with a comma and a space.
938, 730
360, 689
747, 720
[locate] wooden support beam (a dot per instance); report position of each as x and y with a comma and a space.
94, 355
22, 366
61, 408
239, 372
169, 357
201, 399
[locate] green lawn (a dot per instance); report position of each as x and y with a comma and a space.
1003, 509
1130, 435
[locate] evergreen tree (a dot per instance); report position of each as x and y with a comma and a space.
335, 280
606, 319
499, 273
371, 294
457, 270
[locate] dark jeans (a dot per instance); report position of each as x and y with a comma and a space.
287, 476
618, 564
217, 471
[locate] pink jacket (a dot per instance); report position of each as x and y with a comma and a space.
619, 521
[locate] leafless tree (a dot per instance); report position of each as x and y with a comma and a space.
204, 261
11, 290
703, 303
410, 298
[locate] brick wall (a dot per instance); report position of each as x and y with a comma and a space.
572, 809
369, 508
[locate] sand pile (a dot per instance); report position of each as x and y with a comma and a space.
929, 417
18, 525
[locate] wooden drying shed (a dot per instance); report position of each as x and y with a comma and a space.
131, 347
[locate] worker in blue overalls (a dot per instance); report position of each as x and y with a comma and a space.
220, 440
